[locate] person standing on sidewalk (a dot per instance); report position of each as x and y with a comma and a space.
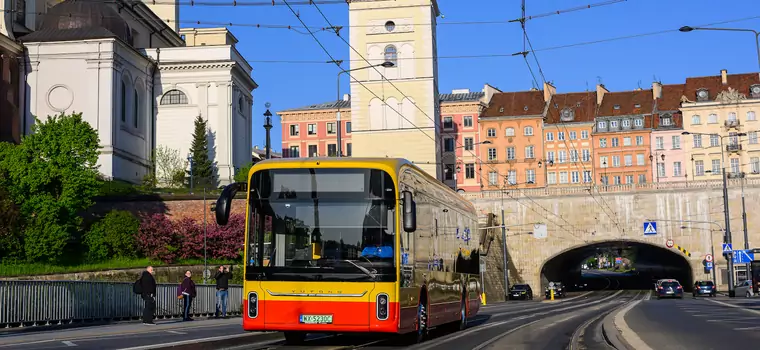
222, 278
188, 294
148, 287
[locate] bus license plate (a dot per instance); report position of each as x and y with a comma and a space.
316, 319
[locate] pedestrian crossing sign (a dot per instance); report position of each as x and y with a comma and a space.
650, 228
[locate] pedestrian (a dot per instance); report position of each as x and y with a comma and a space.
148, 288
188, 293
222, 278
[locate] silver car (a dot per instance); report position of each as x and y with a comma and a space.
744, 288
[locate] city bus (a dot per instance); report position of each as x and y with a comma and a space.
355, 245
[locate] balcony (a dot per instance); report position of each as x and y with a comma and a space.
729, 124
734, 147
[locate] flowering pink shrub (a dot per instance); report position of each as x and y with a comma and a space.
226, 242
190, 238
156, 238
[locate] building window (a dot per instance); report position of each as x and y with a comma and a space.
448, 123
735, 165
640, 159
467, 121
512, 177
560, 136
549, 136
448, 144
629, 179
390, 26
294, 130
174, 97
584, 134
510, 153
586, 154
332, 150
491, 132
659, 142
638, 122
712, 119
391, 54
136, 109
550, 156
469, 144
732, 117
574, 155
348, 127
492, 154
676, 169
716, 167
615, 161
697, 141
529, 152
123, 102
562, 156
666, 120
528, 131
469, 171
493, 178
448, 172
676, 142
642, 179
699, 168
639, 140
695, 120
551, 178
330, 128
613, 124
563, 177
615, 142
627, 123
602, 125
603, 143
349, 152
628, 159
604, 179
293, 152
530, 176
587, 176
755, 162
751, 116
509, 132
575, 177
714, 140
313, 152
661, 169
627, 141
603, 162
311, 129
752, 137
573, 135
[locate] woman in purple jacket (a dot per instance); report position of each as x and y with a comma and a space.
188, 294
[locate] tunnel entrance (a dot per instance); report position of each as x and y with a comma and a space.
616, 265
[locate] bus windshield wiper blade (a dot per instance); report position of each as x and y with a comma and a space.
362, 268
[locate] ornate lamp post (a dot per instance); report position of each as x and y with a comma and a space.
268, 127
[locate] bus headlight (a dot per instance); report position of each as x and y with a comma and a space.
382, 306
253, 305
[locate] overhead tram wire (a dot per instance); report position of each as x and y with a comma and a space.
412, 123
337, 32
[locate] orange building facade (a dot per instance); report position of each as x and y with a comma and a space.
311, 131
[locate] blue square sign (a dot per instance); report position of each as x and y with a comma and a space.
650, 228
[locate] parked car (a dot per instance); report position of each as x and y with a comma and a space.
704, 288
670, 289
521, 292
559, 290
744, 288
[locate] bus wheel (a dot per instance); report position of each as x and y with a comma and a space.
422, 330
294, 338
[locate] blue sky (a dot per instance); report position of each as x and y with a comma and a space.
620, 64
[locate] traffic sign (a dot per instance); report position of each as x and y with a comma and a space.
727, 248
709, 265
669, 243
709, 258
743, 256
539, 230
650, 227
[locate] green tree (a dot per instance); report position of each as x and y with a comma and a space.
11, 243
52, 176
242, 174
113, 236
202, 167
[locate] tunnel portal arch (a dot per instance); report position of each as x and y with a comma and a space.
653, 261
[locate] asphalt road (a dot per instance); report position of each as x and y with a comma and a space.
702, 323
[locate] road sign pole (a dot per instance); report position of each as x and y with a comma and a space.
506, 262
727, 236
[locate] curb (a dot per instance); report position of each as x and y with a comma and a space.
614, 335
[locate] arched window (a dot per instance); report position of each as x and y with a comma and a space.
174, 97
391, 54
509, 132
123, 102
136, 109
528, 131
241, 106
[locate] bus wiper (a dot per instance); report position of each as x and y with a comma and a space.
363, 269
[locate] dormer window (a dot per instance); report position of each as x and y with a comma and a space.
702, 95
602, 125
567, 115
754, 91
501, 109
627, 123
638, 105
616, 106
613, 124
666, 120
525, 108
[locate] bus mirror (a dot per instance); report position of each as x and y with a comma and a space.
410, 212
224, 202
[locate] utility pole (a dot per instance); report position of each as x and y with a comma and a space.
748, 268
504, 246
727, 237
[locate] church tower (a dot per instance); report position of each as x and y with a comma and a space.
166, 12
395, 114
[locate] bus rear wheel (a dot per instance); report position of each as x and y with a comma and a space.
422, 329
294, 338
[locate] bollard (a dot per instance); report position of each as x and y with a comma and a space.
483, 298
552, 294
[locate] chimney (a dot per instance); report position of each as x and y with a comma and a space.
600, 91
656, 90
346, 97
724, 76
549, 91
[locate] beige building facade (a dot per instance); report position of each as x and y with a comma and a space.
392, 106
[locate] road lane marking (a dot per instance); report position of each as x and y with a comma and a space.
735, 306
176, 332
747, 328
496, 338
735, 320
68, 343
203, 340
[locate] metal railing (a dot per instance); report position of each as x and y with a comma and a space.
45, 303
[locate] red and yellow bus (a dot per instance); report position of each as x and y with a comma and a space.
349, 245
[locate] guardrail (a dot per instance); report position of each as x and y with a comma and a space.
46, 303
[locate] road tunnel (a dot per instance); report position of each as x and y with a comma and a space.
616, 265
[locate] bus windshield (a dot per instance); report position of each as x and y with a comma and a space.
326, 224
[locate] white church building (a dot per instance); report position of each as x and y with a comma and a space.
138, 79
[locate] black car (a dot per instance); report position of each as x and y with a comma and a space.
669, 289
559, 291
704, 288
520, 292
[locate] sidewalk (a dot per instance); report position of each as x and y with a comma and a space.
106, 335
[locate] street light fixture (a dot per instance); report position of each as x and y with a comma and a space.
268, 127
386, 64
686, 29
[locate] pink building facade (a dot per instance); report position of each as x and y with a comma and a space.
460, 133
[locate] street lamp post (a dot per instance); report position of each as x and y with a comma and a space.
657, 164
338, 125
686, 29
268, 127
190, 160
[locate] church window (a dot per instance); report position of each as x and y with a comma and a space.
241, 106
136, 109
174, 97
123, 102
391, 54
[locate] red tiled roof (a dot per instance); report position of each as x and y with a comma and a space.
627, 100
514, 104
582, 103
714, 85
671, 97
